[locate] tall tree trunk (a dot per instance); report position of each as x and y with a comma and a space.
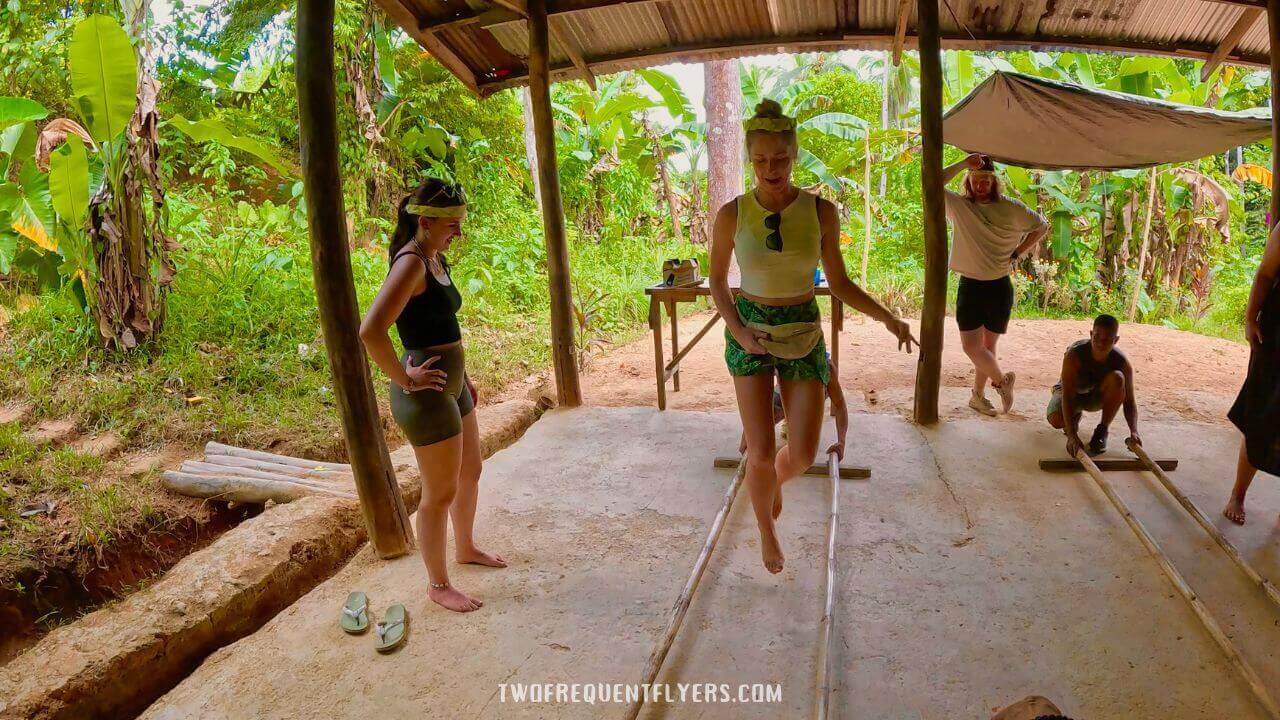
886, 119
531, 147
723, 102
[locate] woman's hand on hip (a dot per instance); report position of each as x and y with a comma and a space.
424, 377
1253, 332
749, 339
902, 331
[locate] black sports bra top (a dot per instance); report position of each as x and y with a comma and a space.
431, 317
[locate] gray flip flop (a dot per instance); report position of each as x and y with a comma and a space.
392, 629
355, 614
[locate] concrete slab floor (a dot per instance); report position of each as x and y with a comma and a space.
967, 579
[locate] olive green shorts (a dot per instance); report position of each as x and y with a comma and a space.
813, 366
1088, 401
429, 416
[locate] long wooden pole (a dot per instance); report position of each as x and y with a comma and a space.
1234, 658
1273, 31
822, 704
568, 390
1267, 586
866, 207
1146, 243
933, 316
681, 606
380, 501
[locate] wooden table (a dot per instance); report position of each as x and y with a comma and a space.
660, 295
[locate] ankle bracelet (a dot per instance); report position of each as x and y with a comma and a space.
439, 586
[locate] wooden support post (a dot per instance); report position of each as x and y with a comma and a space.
900, 29
380, 501
568, 390
674, 314
932, 317
681, 605
1268, 588
1234, 658
822, 689
1273, 30
655, 325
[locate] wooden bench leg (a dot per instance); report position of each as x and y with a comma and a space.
675, 348
655, 324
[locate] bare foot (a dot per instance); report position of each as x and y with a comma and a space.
476, 556
771, 551
451, 598
1234, 511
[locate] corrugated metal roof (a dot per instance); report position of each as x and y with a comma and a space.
489, 38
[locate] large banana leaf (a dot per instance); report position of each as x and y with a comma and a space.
69, 182
837, 124
104, 75
810, 162
1060, 233
14, 111
676, 102
17, 142
211, 129
33, 218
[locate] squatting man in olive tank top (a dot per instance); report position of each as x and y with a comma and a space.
1095, 376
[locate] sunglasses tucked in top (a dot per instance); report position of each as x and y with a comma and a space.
777, 251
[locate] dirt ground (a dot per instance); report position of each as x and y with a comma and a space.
1177, 374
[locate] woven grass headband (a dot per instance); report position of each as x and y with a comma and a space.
769, 124
431, 211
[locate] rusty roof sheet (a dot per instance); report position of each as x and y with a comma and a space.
486, 43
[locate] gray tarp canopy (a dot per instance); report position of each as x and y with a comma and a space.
1032, 122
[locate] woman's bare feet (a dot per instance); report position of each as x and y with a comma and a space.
1234, 511
771, 551
451, 598
476, 556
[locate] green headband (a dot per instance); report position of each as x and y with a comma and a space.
452, 211
769, 124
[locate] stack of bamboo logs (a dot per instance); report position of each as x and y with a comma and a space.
250, 476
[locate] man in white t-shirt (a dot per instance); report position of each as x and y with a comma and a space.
989, 233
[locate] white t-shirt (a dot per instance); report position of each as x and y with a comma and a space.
984, 235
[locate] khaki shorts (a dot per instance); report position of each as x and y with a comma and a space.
1087, 401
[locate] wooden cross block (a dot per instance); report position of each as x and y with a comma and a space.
847, 472
1073, 465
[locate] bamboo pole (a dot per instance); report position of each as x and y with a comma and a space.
866, 206
1267, 587
380, 501
933, 315
330, 476
1146, 242
1273, 34
1228, 648
681, 605
822, 690
213, 448
568, 390
203, 468
240, 489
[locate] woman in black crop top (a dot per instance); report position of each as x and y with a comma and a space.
432, 400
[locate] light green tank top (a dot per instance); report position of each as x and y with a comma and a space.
768, 273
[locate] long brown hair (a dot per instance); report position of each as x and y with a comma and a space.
995, 188
433, 192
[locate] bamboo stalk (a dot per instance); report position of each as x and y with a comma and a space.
203, 468
1146, 241
240, 489
822, 690
334, 476
1233, 656
681, 605
866, 205
1267, 587
213, 448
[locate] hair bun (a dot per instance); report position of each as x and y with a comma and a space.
768, 108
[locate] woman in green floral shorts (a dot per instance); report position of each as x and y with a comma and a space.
778, 233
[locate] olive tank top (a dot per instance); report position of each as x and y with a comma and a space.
431, 317
770, 273
1092, 371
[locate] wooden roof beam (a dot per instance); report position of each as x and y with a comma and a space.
403, 15
1228, 45
558, 34
775, 18
900, 30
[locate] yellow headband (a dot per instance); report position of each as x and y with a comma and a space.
768, 124
453, 211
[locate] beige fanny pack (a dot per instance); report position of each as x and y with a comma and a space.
789, 341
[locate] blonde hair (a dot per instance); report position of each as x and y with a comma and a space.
767, 110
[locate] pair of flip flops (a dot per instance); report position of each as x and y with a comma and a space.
391, 631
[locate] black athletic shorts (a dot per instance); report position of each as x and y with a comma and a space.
984, 304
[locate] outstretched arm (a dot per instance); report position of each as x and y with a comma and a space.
844, 289
1263, 283
1130, 403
